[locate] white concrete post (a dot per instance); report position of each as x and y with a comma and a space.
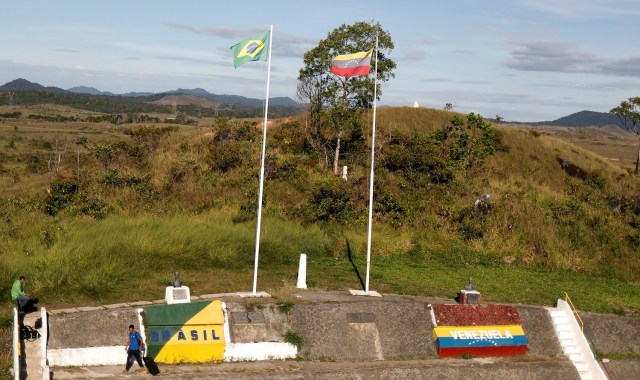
302, 272
44, 338
344, 172
16, 344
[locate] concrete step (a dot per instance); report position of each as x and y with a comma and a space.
575, 357
585, 375
558, 313
581, 366
562, 327
564, 335
567, 343
560, 320
568, 350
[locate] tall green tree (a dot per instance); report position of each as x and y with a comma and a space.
322, 90
629, 114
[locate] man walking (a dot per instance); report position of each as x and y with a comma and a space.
134, 344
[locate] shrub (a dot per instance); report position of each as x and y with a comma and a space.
285, 307
116, 178
293, 339
96, 208
226, 156
330, 201
63, 191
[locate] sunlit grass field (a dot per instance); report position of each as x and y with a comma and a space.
129, 259
533, 247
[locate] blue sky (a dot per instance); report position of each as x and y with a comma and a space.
525, 60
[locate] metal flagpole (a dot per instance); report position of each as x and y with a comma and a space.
264, 141
373, 147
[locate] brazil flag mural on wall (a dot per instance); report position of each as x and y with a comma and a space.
185, 333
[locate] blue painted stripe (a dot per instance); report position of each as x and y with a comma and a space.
518, 340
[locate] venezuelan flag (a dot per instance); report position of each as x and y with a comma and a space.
352, 65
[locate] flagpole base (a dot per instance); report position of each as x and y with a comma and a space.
372, 293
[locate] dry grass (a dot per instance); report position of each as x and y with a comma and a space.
532, 224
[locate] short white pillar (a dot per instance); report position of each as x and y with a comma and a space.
302, 272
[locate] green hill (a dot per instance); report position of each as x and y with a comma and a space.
94, 212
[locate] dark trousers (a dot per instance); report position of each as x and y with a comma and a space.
23, 300
130, 355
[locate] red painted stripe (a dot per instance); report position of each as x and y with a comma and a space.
483, 351
351, 71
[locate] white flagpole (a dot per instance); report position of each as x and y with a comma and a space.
264, 141
373, 147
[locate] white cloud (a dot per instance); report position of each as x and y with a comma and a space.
565, 57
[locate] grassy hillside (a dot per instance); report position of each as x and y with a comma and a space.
94, 212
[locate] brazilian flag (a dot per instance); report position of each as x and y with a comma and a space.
185, 333
251, 49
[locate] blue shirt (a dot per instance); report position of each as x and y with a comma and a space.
133, 340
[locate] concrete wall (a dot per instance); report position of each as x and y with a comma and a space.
365, 330
613, 335
360, 330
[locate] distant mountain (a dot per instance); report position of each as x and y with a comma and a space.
88, 90
580, 120
235, 100
137, 94
24, 85
180, 99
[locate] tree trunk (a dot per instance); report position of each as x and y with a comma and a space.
335, 158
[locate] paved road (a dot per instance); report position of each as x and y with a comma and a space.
489, 368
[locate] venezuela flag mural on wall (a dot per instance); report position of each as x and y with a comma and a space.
492, 330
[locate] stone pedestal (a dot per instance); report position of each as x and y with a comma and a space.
177, 294
470, 297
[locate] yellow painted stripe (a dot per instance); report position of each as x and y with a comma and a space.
187, 350
212, 314
446, 331
359, 55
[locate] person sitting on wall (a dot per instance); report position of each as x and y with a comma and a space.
17, 294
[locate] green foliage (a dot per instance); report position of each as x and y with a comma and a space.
11, 115
290, 138
104, 153
248, 210
389, 208
285, 307
149, 137
470, 223
427, 179
323, 90
293, 338
417, 156
114, 177
62, 193
629, 114
468, 142
101, 281
330, 201
226, 156
347, 39
95, 208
